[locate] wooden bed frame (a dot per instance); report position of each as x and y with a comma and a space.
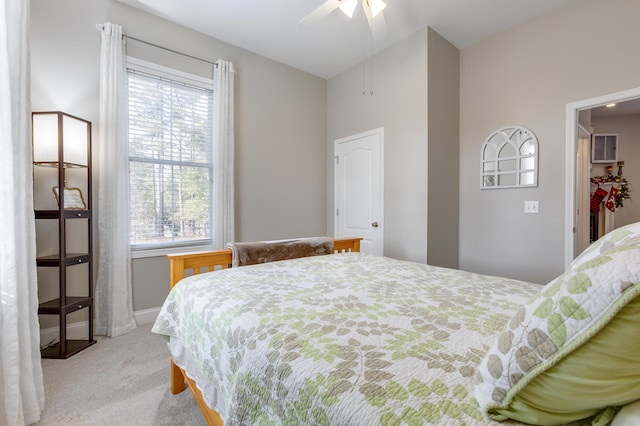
208, 262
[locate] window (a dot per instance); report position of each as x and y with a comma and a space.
604, 148
170, 165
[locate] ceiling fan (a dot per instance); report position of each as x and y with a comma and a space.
371, 9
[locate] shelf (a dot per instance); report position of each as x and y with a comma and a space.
53, 307
73, 347
62, 145
70, 259
68, 214
54, 165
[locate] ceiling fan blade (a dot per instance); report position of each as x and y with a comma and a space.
376, 6
348, 7
377, 24
379, 27
319, 13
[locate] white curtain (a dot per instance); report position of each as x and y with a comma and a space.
113, 300
21, 386
223, 152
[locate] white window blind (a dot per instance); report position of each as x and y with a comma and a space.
170, 131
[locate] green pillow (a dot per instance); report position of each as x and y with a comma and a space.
601, 373
573, 351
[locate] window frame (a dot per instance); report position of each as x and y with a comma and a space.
606, 140
174, 76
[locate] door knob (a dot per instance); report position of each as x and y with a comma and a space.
375, 224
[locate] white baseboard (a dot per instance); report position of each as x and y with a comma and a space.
146, 316
78, 330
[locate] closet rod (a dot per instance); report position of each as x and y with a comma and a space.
99, 27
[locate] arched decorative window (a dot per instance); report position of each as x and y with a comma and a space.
509, 159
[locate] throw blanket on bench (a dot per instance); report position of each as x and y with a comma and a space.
269, 251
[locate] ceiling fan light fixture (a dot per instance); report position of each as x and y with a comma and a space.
376, 6
348, 6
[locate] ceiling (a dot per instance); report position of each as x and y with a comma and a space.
269, 27
621, 108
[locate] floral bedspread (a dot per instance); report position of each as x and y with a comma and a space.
342, 339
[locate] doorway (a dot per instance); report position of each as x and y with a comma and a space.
574, 162
359, 186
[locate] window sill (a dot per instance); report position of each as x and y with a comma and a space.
160, 252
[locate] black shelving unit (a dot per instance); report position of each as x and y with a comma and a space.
68, 210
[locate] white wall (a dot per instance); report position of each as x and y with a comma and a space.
399, 105
526, 76
417, 140
443, 151
280, 119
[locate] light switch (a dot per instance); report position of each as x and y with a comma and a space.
531, 207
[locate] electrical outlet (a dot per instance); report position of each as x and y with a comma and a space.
531, 207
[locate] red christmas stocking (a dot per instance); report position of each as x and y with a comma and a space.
611, 201
596, 199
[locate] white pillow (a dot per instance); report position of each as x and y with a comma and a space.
629, 415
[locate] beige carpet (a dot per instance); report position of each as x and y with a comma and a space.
117, 381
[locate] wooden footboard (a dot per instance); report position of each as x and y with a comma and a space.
197, 263
211, 416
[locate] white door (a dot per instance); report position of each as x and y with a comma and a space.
358, 189
583, 189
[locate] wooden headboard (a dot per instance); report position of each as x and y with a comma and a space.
221, 259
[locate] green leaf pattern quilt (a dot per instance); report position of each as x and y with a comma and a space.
342, 339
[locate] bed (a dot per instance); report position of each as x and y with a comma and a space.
356, 339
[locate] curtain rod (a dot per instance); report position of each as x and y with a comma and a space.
99, 27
